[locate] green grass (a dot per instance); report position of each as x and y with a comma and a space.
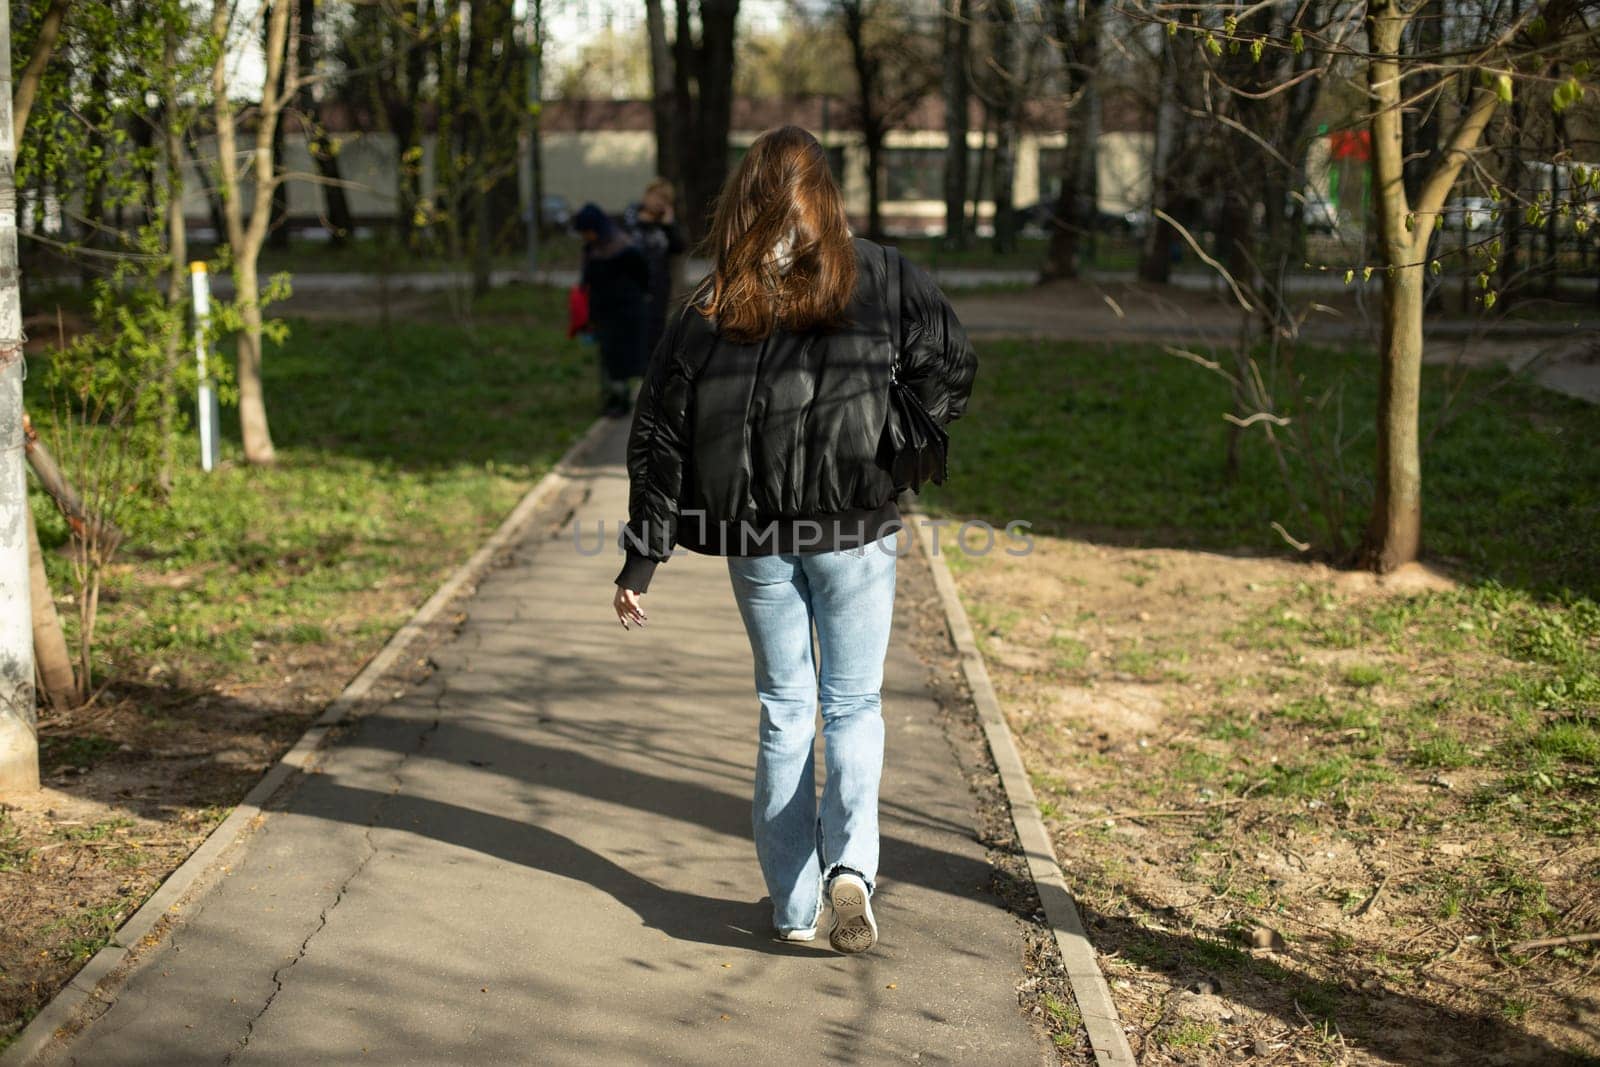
89, 930
1128, 443
1189, 1034
13, 854
398, 449
100, 831
1442, 750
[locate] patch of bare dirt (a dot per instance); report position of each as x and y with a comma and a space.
1269, 873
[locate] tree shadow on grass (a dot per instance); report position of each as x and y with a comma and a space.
1402, 1027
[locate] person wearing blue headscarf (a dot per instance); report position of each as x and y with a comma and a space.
618, 280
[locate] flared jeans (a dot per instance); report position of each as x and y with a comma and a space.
847, 596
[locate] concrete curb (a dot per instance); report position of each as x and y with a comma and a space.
1089, 987
173, 893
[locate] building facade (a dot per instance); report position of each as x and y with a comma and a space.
604, 151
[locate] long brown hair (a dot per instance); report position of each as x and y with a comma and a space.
782, 184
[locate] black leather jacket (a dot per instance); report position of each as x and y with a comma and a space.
773, 446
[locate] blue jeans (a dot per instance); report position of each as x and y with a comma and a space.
849, 596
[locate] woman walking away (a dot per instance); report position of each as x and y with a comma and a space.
659, 236
615, 273
759, 436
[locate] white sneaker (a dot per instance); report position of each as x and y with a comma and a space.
808, 933
854, 929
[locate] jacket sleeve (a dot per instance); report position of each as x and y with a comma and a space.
936, 359
658, 453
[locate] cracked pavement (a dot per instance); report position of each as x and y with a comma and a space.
542, 854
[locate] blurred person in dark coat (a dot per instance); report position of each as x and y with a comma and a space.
659, 235
617, 277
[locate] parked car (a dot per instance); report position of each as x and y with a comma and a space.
1470, 213
556, 216
1036, 219
1320, 214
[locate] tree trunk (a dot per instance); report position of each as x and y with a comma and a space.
1394, 534
399, 63
335, 202
855, 29
474, 194
19, 735
1155, 259
482, 240
278, 227
714, 111
278, 215
319, 146
44, 46
51, 658
683, 112
663, 114
178, 256
94, 227
957, 27
246, 237
446, 156
1007, 58
1077, 201
985, 159
1236, 235
253, 428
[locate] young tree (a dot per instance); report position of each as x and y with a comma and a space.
1012, 64
247, 233
44, 46
663, 115
702, 84
136, 53
893, 73
1077, 36
956, 26
174, 118
495, 98
303, 113
383, 52
1486, 57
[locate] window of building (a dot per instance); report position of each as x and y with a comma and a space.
913, 173
1051, 160
918, 173
835, 154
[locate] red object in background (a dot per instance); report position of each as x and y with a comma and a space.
577, 310
1351, 144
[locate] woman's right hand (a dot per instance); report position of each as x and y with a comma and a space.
626, 605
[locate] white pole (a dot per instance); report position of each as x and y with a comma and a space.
19, 736
206, 401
